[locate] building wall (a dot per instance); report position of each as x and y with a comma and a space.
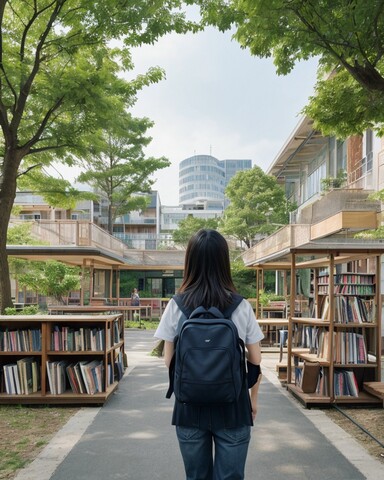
203, 178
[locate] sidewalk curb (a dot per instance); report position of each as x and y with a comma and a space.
371, 468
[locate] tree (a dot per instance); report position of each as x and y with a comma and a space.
258, 206
52, 279
189, 226
61, 81
118, 169
346, 35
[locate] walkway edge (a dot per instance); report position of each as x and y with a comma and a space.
371, 468
43, 466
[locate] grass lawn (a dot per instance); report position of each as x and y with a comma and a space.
144, 324
24, 431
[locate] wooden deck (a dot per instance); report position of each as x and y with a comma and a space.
376, 389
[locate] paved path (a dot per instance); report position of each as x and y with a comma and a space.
131, 438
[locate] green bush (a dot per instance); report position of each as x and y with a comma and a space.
28, 310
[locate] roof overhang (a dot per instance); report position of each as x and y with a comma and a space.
302, 146
71, 255
101, 258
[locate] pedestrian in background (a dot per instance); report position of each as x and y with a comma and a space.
135, 298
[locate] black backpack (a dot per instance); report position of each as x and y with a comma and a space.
208, 366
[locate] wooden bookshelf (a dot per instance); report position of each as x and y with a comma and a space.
60, 359
343, 338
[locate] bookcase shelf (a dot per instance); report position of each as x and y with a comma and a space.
53, 359
341, 341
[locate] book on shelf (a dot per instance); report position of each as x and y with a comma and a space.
20, 340
324, 308
64, 338
354, 309
118, 364
92, 372
324, 350
323, 382
298, 374
56, 371
350, 347
306, 336
22, 377
345, 383
310, 376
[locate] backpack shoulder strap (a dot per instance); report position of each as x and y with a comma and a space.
236, 300
178, 298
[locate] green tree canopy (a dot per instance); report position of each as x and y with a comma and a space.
258, 206
118, 169
61, 81
189, 226
52, 279
346, 35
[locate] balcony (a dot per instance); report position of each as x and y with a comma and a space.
334, 218
277, 244
336, 201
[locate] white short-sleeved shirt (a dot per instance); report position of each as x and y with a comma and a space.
243, 317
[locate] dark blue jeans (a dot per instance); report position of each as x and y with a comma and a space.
226, 461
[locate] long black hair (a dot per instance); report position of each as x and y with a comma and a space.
207, 274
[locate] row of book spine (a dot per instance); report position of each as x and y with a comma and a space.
344, 382
22, 377
70, 339
364, 290
351, 278
20, 340
83, 377
348, 347
354, 310
86, 377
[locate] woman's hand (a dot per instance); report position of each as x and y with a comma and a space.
254, 408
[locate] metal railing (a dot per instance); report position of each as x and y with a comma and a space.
364, 168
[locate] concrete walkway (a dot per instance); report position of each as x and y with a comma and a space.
131, 438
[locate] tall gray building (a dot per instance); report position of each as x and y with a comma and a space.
203, 178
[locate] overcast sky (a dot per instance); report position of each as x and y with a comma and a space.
217, 100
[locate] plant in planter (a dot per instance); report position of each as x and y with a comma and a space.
329, 183
265, 297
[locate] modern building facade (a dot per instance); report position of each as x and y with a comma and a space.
331, 181
203, 178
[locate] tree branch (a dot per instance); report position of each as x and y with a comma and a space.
25, 89
47, 148
28, 169
43, 124
379, 44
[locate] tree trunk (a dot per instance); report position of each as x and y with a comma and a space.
110, 219
11, 162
